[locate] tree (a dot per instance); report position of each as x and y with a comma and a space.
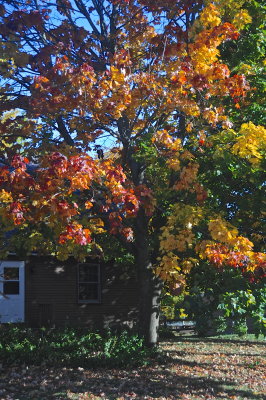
139, 84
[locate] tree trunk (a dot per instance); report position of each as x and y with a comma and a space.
149, 284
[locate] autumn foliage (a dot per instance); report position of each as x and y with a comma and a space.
109, 111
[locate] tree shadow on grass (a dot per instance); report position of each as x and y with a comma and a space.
110, 384
213, 353
194, 358
167, 384
200, 339
175, 358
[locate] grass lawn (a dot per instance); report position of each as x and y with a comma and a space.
191, 368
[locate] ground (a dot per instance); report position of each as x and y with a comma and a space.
192, 369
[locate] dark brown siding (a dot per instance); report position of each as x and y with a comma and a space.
51, 296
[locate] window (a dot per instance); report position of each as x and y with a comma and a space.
89, 285
11, 280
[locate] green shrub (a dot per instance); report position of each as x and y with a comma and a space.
223, 301
242, 305
238, 312
71, 347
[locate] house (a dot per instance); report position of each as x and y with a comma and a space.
42, 291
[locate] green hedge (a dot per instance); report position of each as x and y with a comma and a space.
71, 347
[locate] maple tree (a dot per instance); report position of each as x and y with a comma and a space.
110, 109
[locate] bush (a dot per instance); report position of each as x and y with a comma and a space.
239, 312
242, 305
223, 301
71, 347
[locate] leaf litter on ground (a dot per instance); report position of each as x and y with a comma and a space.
189, 368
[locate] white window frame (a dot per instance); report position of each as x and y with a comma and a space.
7, 304
98, 283
4, 281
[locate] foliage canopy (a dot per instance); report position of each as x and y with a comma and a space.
131, 118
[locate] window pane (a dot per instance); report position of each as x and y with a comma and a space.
88, 273
11, 287
88, 291
11, 273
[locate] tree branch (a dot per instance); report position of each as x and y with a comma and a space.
63, 131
